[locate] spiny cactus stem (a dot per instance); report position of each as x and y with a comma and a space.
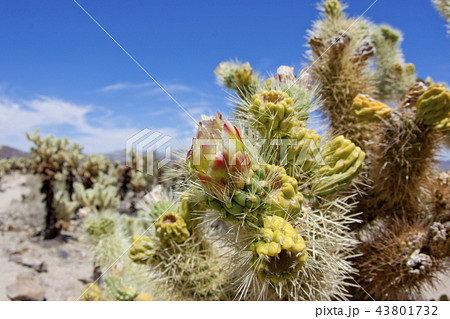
125, 181
69, 183
51, 231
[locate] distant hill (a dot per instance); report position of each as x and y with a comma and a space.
120, 156
8, 152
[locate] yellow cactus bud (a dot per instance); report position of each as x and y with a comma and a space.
91, 292
144, 297
285, 199
171, 226
283, 249
273, 112
433, 105
366, 108
343, 161
142, 250
410, 68
302, 154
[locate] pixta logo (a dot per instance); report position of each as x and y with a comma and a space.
142, 148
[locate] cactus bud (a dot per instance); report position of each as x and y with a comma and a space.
433, 105
91, 292
366, 108
283, 249
343, 161
333, 9
273, 112
171, 226
218, 156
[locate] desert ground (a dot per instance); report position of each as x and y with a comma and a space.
61, 266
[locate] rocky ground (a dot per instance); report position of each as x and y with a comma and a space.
34, 269
30, 267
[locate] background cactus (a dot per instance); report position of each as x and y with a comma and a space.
48, 160
401, 142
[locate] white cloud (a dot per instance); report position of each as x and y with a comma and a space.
52, 115
125, 86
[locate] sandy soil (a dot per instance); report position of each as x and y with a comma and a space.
21, 216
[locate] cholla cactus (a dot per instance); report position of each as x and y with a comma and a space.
125, 280
341, 49
92, 167
98, 198
443, 6
48, 155
279, 205
394, 77
267, 203
237, 76
64, 207
188, 264
400, 141
398, 261
73, 157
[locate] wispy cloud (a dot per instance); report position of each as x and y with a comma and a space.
171, 88
52, 115
121, 86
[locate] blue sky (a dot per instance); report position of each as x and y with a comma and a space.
61, 73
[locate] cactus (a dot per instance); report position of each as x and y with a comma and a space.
98, 198
48, 160
397, 262
184, 257
125, 280
266, 200
444, 9
398, 194
340, 64
92, 167
394, 77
